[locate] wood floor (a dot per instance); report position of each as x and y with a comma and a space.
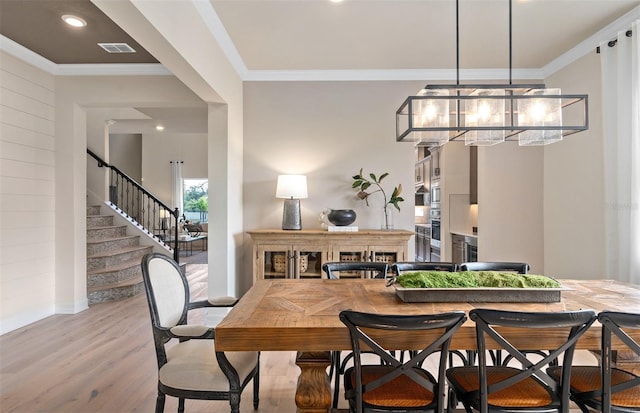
103, 360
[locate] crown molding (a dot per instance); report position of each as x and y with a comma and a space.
388, 75
26, 55
112, 69
589, 44
215, 26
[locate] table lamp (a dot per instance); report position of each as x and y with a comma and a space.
164, 222
292, 188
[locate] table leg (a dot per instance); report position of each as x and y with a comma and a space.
313, 394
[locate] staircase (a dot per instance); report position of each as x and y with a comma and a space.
113, 259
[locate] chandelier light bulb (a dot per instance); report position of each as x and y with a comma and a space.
538, 112
430, 112
484, 111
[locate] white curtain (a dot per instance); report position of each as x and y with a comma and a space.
621, 124
177, 199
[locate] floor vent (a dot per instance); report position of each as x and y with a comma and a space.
117, 47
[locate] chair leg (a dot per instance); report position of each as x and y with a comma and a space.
181, 405
452, 402
256, 389
160, 403
336, 373
234, 401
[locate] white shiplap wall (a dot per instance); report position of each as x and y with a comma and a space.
27, 193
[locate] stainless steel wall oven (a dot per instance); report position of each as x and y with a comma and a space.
435, 233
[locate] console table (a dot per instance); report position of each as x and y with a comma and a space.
300, 254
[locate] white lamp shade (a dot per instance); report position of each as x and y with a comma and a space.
291, 186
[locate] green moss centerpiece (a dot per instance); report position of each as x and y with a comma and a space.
474, 279
476, 286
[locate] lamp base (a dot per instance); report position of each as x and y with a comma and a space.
291, 218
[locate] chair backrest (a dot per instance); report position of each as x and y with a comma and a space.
361, 326
167, 293
619, 325
359, 269
570, 324
400, 267
517, 267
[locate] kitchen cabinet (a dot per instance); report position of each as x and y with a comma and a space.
423, 243
457, 249
435, 163
300, 254
473, 175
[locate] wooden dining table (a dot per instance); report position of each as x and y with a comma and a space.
302, 316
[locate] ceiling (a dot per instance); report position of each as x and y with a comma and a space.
287, 36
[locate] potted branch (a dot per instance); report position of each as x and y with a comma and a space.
373, 184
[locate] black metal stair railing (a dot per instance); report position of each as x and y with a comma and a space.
141, 206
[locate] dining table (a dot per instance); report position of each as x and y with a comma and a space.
302, 316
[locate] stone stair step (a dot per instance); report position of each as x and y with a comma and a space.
124, 289
93, 210
95, 247
105, 259
113, 231
99, 221
114, 274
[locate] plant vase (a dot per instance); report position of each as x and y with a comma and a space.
387, 218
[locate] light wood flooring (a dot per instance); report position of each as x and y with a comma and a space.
103, 360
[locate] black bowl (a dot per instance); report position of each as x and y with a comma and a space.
342, 217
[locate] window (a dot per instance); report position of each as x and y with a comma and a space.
196, 200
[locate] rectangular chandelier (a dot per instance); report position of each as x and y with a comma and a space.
487, 114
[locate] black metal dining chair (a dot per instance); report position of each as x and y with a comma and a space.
606, 388
497, 388
409, 266
353, 269
517, 267
397, 385
400, 267
356, 269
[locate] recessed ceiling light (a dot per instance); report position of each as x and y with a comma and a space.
336, 1
74, 21
159, 127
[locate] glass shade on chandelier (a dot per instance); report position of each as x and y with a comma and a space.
540, 112
432, 113
485, 112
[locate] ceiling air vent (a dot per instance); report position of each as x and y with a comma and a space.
117, 47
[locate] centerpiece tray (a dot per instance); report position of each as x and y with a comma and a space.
476, 286
479, 295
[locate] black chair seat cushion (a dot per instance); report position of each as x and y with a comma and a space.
589, 378
526, 393
401, 392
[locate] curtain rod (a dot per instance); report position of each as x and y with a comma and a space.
612, 43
